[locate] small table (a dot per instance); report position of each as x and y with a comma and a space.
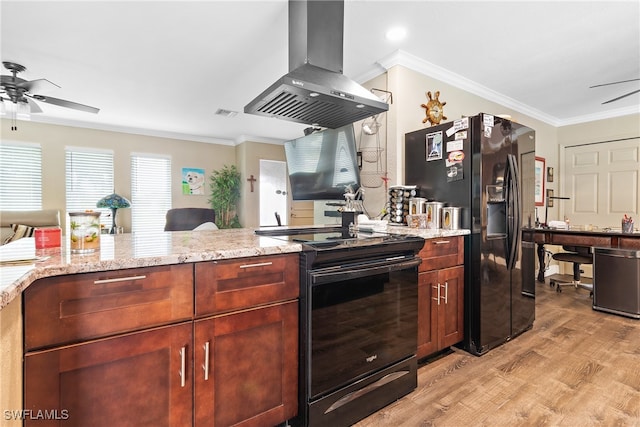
601, 239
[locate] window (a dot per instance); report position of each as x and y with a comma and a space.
89, 177
150, 191
20, 176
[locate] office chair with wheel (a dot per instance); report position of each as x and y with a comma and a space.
577, 255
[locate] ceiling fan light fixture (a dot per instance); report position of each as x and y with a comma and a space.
23, 112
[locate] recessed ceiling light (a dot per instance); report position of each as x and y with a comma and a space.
396, 33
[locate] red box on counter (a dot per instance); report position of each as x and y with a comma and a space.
48, 237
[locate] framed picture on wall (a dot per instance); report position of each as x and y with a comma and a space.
539, 181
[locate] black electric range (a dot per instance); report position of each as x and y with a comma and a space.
358, 321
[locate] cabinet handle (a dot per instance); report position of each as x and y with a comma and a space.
183, 363
260, 264
442, 242
206, 361
446, 292
437, 288
118, 279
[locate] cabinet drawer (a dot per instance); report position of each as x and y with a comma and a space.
223, 286
66, 309
442, 252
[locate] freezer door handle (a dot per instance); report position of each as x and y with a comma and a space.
513, 210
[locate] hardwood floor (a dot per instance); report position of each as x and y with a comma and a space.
576, 367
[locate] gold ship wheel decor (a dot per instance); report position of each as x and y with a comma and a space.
434, 109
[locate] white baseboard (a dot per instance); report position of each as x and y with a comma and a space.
553, 269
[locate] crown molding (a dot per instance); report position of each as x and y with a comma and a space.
249, 138
609, 114
417, 64
130, 130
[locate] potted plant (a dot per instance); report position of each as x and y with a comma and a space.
225, 193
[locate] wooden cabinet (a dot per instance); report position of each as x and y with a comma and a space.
223, 286
66, 309
440, 295
130, 347
246, 358
247, 367
136, 379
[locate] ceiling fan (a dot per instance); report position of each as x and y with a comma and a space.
21, 94
615, 83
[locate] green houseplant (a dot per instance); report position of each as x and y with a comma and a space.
225, 193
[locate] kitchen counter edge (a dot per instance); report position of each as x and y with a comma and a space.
124, 251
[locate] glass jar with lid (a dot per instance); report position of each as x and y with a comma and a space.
84, 231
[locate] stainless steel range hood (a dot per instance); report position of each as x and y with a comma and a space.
315, 92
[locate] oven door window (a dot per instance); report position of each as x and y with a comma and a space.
361, 323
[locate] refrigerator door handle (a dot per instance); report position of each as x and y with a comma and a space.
508, 211
514, 210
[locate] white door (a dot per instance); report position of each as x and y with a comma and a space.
273, 192
602, 181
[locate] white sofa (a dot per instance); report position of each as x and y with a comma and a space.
42, 218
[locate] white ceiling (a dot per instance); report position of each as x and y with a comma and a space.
165, 67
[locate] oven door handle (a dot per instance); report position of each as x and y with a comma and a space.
340, 274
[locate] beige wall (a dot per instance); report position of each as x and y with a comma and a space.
405, 115
409, 90
53, 140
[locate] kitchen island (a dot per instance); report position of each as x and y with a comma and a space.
123, 252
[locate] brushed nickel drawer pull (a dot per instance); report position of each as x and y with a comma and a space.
206, 361
260, 264
183, 363
442, 242
437, 287
118, 279
446, 292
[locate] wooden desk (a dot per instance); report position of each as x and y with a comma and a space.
602, 239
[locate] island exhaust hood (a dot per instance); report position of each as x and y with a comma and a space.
315, 92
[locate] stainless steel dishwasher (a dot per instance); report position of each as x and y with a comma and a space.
616, 281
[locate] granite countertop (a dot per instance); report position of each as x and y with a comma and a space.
123, 251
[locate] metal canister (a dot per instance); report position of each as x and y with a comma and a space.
417, 205
433, 211
451, 218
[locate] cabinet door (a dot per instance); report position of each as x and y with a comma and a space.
427, 313
246, 367
139, 379
451, 309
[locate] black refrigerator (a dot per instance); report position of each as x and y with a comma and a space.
485, 165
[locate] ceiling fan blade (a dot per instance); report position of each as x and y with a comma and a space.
37, 85
620, 97
33, 107
66, 104
614, 83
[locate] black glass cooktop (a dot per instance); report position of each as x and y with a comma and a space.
343, 239
333, 238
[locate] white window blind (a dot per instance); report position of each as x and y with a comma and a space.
89, 177
150, 192
20, 177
